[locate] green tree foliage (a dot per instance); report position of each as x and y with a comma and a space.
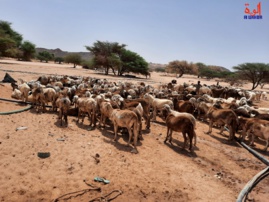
180, 67
73, 58
256, 73
159, 69
58, 60
200, 66
87, 64
44, 56
28, 50
106, 55
132, 62
10, 40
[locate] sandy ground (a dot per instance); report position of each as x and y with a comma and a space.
216, 171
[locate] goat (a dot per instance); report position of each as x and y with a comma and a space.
157, 104
222, 117
87, 105
217, 93
258, 115
24, 88
256, 127
124, 118
64, 105
183, 106
167, 110
179, 124
144, 103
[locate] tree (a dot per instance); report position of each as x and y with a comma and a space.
88, 64
28, 50
58, 60
180, 67
200, 66
253, 72
44, 56
106, 55
73, 58
132, 62
10, 40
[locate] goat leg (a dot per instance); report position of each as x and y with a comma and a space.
115, 131
221, 129
185, 140
266, 146
166, 135
170, 137
210, 128
65, 118
130, 136
154, 114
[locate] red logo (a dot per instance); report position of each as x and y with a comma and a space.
255, 14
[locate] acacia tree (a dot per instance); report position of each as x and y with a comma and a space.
28, 50
106, 55
73, 58
44, 56
200, 67
180, 67
132, 62
10, 40
256, 73
58, 60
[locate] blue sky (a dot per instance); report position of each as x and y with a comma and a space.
212, 32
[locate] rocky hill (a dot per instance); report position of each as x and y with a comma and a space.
59, 53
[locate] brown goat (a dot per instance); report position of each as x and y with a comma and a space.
179, 124
183, 106
222, 117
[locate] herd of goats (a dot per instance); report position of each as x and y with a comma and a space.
127, 103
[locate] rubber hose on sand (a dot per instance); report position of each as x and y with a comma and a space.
15, 111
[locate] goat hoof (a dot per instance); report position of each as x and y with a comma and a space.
134, 151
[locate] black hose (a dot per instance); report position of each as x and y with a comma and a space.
16, 111
17, 101
251, 184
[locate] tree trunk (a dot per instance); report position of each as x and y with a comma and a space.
113, 71
74, 65
106, 70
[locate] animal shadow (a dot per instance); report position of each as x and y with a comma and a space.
177, 146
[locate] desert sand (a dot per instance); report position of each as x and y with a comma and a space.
216, 170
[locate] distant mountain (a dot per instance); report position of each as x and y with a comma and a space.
59, 53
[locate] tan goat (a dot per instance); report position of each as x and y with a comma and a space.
63, 104
157, 104
222, 117
124, 118
89, 106
256, 127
